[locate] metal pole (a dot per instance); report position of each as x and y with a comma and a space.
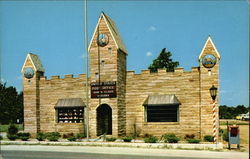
87, 66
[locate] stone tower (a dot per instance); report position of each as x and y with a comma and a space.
209, 75
32, 70
107, 68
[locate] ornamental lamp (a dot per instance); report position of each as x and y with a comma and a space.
213, 92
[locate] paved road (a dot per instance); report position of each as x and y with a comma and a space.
85, 152
77, 155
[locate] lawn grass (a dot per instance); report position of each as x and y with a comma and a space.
4, 128
232, 122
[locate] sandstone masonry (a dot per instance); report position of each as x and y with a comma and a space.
126, 113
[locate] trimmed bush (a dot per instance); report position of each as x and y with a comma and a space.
110, 139
40, 136
12, 137
23, 136
151, 139
194, 141
12, 130
127, 138
209, 138
73, 138
170, 138
80, 136
53, 136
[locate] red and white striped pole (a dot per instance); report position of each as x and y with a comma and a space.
214, 123
213, 92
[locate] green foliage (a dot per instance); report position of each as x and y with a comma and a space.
1, 138
53, 136
127, 138
12, 130
151, 139
4, 128
170, 138
209, 138
163, 61
226, 112
194, 141
12, 137
72, 138
225, 135
11, 103
24, 136
40, 136
111, 139
80, 136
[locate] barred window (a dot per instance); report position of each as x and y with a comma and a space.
162, 113
70, 115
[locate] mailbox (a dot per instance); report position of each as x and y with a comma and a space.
234, 136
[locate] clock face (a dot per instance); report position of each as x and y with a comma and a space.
102, 40
28, 72
209, 61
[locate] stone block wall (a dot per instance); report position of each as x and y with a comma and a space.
186, 87
51, 90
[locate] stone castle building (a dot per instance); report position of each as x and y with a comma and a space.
120, 101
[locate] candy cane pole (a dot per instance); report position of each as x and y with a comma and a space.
214, 123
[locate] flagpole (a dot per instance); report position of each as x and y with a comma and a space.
87, 66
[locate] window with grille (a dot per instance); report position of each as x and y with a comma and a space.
70, 115
162, 113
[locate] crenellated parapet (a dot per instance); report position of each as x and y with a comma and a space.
67, 77
162, 72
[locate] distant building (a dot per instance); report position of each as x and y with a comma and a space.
121, 102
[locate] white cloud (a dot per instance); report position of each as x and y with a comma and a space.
149, 53
152, 28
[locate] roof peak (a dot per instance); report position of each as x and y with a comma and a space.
209, 39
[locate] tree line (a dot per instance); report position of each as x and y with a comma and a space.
11, 104
226, 112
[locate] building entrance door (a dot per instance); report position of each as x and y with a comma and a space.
104, 120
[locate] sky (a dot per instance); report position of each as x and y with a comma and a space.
54, 30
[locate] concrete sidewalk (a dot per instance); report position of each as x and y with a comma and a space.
129, 151
203, 146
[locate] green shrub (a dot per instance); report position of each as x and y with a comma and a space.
53, 136
1, 138
23, 136
40, 136
195, 141
225, 136
127, 138
151, 139
111, 139
73, 138
12, 137
12, 130
170, 138
80, 136
209, 138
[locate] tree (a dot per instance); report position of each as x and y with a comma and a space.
163, 61
226, 112
11, 104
